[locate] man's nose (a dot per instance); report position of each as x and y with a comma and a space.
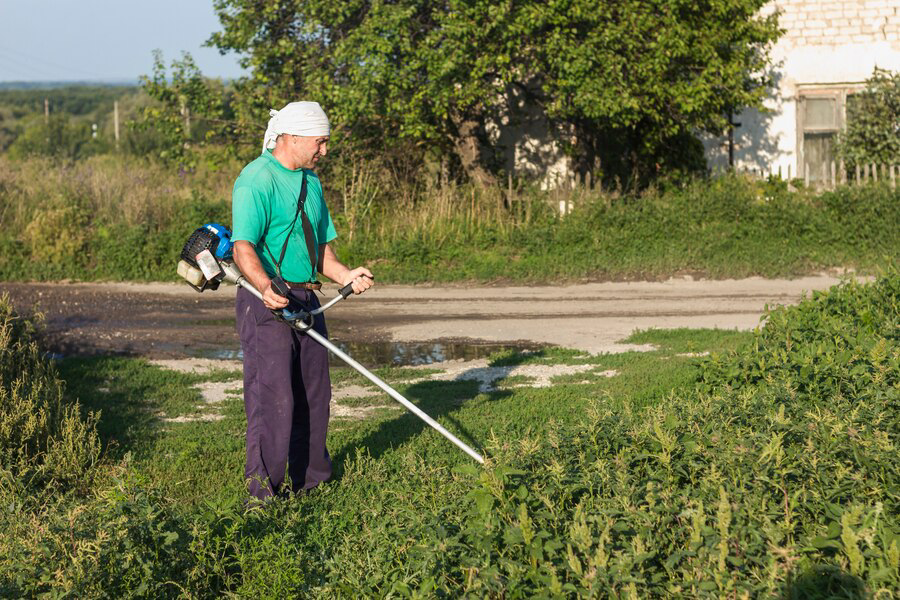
323, 149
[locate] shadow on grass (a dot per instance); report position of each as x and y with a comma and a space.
826, 583
438, 399
129, 395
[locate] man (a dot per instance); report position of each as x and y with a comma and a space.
287, 389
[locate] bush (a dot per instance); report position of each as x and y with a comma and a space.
69, 526
44, 440
873, 123
59, 138
121, 541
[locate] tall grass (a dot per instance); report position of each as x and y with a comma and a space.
117, 218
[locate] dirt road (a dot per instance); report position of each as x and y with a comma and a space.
171, 320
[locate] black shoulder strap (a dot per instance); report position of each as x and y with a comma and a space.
307, 233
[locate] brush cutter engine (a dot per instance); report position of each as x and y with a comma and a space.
203, 255
207, 260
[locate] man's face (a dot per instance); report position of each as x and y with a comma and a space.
307, 150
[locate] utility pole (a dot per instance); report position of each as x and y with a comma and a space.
186, 115
116, 121
46, 110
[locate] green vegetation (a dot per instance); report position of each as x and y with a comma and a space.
769, 469
417, 83
110, 218
873, 123
74, 110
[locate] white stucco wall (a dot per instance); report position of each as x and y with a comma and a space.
828, 43
528, 143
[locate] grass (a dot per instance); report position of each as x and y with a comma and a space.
767, 469
189, 459
108, 218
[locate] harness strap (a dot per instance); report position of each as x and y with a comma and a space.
307, 234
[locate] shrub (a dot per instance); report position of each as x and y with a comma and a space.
873, 122
44, 439
121, 541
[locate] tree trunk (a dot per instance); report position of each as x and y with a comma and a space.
469, 146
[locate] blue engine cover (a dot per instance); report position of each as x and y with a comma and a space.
223, 250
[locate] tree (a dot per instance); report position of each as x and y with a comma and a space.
187, 109
60, 138
873, 123
431, 75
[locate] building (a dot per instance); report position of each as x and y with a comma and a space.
829, 49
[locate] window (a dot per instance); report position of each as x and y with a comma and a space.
821, 114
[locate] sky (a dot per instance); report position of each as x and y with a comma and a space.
68, 40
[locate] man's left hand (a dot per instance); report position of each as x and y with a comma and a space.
361, 278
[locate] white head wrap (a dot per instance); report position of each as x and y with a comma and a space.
297, 118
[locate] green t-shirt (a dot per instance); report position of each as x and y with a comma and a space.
264, 202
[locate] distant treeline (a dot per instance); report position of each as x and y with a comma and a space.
75, 100
79, 121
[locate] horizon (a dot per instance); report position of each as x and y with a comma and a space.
61, 83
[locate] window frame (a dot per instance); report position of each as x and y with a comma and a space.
839, 92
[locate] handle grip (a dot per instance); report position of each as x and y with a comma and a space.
346, 291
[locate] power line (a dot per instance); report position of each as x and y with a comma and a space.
15, 67
42, 64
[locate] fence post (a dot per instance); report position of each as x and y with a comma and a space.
874, 173
843, 173
857, 174
893, 180
116, 121
806, 175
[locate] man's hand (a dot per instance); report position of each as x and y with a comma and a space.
361, 278
248, 262
272, 300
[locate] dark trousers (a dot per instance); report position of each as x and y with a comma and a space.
287, 392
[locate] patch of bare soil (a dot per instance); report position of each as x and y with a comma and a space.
344, 401
173, 324
173, 321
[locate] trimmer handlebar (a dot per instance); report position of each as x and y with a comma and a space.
346, 291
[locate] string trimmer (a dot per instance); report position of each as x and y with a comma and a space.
206, 261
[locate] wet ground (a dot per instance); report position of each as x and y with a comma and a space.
403, 324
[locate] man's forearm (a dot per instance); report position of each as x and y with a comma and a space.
332, 268
248, 262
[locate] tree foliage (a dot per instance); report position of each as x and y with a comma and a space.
634, 75
187, 111
59, 137
873, 122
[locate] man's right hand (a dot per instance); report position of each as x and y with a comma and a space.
248, 262
272, 300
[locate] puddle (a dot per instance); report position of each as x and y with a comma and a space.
392, 354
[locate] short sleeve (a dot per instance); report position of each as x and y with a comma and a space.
248, 215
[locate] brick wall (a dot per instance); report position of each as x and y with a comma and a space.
836, 22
